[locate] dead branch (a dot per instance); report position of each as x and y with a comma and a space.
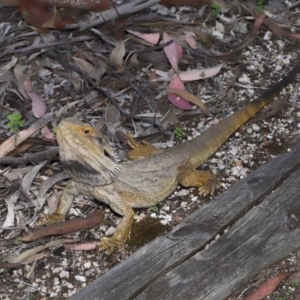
95, 5
43, 155
114, 13
92, 220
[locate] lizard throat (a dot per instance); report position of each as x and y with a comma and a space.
87, 174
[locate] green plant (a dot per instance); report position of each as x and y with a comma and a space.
18, 241
153, 208
246, 136
295, 284
202, 74
215, 9
178, 133
260, 5
54, 130
15, 122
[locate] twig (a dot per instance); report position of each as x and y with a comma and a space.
92, 220
111, 14
51, 44
232, 81
7, 160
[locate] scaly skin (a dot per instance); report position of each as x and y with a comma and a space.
152, 175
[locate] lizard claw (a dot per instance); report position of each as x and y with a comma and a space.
110, 244
50, 219
209, 187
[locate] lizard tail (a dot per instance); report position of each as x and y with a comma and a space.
215, 136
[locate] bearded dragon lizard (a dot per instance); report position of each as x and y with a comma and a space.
89, 159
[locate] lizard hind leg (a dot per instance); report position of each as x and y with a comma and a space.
189, 177
140, 150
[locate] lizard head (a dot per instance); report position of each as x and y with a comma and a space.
85, 153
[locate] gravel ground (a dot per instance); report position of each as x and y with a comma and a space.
62, 273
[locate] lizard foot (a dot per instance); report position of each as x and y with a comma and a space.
50, 219
209, 187
110, 244
140, 150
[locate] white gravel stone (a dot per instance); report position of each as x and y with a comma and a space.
110, 231
64, 274
255, 127
80, 278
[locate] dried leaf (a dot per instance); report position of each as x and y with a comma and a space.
38, 105
175, 99
194, 74
152, 38
34, 13
117, 55
4, 69
16, 139
191, 98
50, 23
190, 39
294, 278
268, 287
10, 216
82, 247
28, 178
87, 67
27, 254
47, 133
35, 257
173, 51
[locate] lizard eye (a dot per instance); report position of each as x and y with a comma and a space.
86, 131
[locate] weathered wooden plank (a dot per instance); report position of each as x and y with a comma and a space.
134, 275
260, 238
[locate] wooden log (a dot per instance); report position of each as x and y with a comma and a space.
178, 266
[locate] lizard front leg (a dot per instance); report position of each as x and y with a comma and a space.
140, 150
122, 232
189, 177
63, 205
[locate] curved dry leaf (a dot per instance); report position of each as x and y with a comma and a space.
47, 133
117, 55
268, 287
47, 184
4, 69
50, 23
28, 253
28, 178
173, 51
10, 216
176, 100
191, 98
190, 39
38, 105
87, 67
